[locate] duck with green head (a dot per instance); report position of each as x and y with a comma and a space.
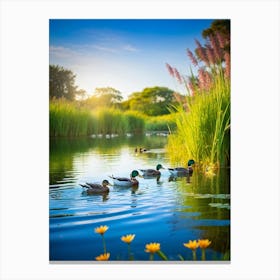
152, 172
127, 182
95, 188
182, 171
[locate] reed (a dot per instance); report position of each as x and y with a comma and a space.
111, 121
136, 122
203, 122
161, 123
67, 120
203, 132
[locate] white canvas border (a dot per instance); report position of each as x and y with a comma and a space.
255, 138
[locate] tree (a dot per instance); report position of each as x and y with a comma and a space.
221, 27
104, 97
108, 95
62, 83
217, 36
152, 101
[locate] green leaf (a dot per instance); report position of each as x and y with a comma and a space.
162, 256
181, 257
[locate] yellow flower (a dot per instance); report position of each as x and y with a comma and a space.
101, 229
152, 248
103, 257
204, 243
191, 245
128, 238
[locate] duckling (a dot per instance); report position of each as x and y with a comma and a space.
143, 150
182, 171
93, 188
127, 182
152, 172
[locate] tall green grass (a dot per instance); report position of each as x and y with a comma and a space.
68, 119
203, 132
203, 123
161, 123
136, 121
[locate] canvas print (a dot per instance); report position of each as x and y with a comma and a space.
139, 140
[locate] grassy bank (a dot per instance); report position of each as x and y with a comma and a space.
68, 119
203, 129
203, 123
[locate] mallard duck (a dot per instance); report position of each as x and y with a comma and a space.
152, 172
93, 188
182, 171
126, 182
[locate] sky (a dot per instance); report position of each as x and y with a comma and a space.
126, 54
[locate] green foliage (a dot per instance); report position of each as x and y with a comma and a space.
161, 123
203, 125
62, 83
203, 133
151, 101
221, 26
111, 122
103, 97
136, 121
67, 120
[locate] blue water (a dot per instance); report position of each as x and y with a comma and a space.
170, 212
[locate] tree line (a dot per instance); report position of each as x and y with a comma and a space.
151, 101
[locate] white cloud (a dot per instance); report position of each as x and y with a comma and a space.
62, 52
130, 48
105, 49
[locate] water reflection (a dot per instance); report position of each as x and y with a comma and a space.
165, 209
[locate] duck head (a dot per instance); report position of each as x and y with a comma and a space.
106, 183
191, 162
159, 166
134, 174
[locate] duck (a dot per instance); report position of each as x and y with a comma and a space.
140, 150
143, 150
95, 188
127, 182
152, 172
182, 171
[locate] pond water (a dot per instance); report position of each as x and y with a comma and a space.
169, 211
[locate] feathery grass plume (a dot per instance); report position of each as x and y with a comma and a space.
191, 88
170, 70
205, 79
201, 52
192, 57
210, 55
218, 52
221, 40
227, 62
178, 76
203, 126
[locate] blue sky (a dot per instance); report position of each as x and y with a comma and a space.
127, 55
